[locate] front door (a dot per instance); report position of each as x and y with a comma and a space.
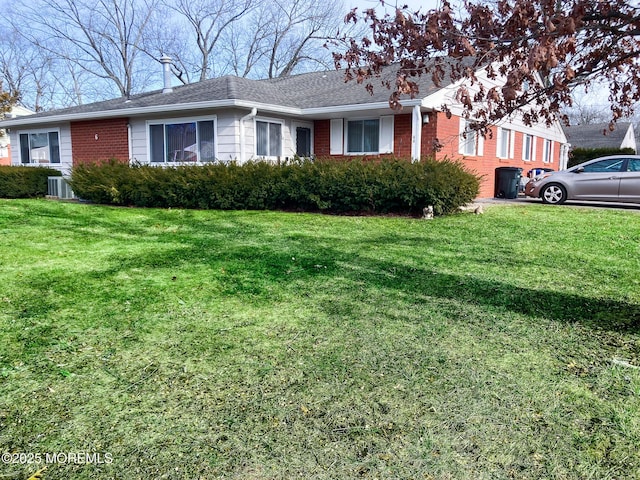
303, 142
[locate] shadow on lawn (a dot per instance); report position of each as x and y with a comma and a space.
249, 267
252, 269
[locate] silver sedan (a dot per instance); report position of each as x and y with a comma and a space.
606, 179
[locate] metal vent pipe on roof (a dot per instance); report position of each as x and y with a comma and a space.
166, 61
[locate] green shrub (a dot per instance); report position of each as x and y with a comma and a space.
24, 182
355, 186
581, 155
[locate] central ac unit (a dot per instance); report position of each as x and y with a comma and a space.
57, 187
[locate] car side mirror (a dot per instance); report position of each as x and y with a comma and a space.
579, 170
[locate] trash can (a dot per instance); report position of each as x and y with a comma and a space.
534, 172
507, 182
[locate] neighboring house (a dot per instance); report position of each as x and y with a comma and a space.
598, 135
5, 141
314, 114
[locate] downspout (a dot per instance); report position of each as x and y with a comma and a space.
416, 134
243, 147
130, 146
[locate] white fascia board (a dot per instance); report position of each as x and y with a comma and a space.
189, 107
359, 107
153, 110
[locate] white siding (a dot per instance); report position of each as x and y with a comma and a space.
138, 140
227, 137
66, 155
227, 134
629, 140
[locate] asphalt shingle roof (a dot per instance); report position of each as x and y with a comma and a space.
308, 90
593, 136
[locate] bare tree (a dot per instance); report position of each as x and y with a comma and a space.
68, 52
206, 20
103, 38
24, 69
586, 109
284, 36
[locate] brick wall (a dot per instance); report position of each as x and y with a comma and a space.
402, 136
97, 140
447, 133
322, 138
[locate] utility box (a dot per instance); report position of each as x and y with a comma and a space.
57, 187
507, 182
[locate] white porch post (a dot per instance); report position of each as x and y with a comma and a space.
416, 133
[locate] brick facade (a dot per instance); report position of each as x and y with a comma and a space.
446, 132
97, 140
402, 136
322, 138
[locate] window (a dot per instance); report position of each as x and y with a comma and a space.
547, 153
528, 142
268, 139
605, 166
634, 165
505, 143
40, 147
468, 140
471, 142
182, 142
363, 136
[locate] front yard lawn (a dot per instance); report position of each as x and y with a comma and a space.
175, 344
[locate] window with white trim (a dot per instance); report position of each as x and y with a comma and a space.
471, 142
39, 147
505, 143
547, 152
177, 141
268, 139
363, 136
528, 144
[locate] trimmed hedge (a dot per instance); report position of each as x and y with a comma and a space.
356, 186
581, 155
25, 182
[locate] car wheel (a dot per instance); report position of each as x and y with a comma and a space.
554, 194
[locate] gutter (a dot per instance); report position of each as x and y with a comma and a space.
326, 112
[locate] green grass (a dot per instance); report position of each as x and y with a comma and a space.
201, 345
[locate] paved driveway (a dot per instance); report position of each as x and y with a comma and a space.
522, 200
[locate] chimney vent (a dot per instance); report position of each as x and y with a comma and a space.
166, 61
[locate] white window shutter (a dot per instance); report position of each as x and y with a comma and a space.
499, 152
386, 134
534, 141
461, 137
480, 147
512, 143
336, 137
